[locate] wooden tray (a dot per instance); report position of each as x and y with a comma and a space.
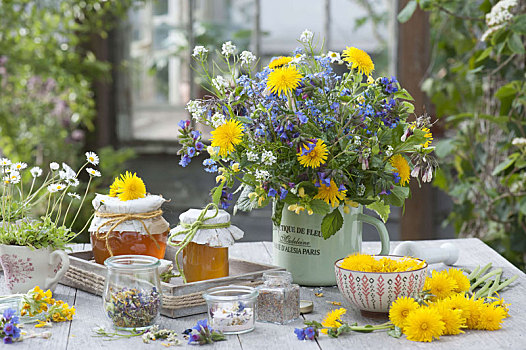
178, 299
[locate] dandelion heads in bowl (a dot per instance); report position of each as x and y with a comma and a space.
300, 135
36, 204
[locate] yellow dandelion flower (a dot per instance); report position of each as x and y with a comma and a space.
440, 284
333, 319
474, 307
313, 154
461, 280
359, 59
423, 324
500, 302
400, 309
458, 302
279, 62
402, 167
330, 194
115, 186
283, 80
491, 317
453, 320
226, 136
132, 187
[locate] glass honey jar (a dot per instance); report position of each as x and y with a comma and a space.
204, 236
134, 227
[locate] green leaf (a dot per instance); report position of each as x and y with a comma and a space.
409, 107
515, 44
522, 205
216, 193
404, 94
505, 164
331, 223
395, 332
381, 209
484, 54
506, 91
244, 203
320, 207
407, 12
519, 24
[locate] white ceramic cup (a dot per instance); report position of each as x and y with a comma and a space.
25, 268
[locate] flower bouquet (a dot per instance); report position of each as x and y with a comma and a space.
304, 137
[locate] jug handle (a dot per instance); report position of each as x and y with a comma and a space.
380, 227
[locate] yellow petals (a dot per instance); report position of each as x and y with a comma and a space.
368, 263
283, 80
313, 154
359, 59
400, 309
279, 62
226, 136
333, 318
332, 195
235, 167
128, 187
220, 178
402, 168
440, 284
424, 325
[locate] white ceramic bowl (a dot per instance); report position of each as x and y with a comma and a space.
375, 292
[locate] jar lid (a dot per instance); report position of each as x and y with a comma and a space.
111, 205
213, 237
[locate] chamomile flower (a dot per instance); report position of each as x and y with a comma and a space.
60, 186
334, 57
14, 177
54, 166
92, 158
5, 162
19, 166
74, 195
36, 171
72, 181
52, 188
93, 172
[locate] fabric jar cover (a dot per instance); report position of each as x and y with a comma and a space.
213, 237
111, 205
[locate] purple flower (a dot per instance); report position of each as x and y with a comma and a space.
8, 314
8, 340
272, 192
283, 193
199, 146
183, 124
195, 134
9, 329
191, 151
397, 178
302, 117
310, 333
201, 324
224, 205
300, 333
194, 338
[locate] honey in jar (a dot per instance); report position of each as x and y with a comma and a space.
133, 227
208, 234
129, 242
201, 262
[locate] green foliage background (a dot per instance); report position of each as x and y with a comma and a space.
47, 73
478, 88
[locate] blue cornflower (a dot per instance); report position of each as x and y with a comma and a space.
300, 333
272, 192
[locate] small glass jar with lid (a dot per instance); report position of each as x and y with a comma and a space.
279, 298
231, 309
204, 237
132, 292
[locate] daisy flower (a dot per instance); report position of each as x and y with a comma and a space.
402, 167
92, 158
54, 166
226, 136
284, 80
335, 57
14, 177
36, 171
313, 154
424, 324
52, 188
5, 162
359, 59
74, 182
19, 166
331, 195
60, 186
400, 309
93, 172
74, 195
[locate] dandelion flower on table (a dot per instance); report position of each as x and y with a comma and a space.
279, 62
359, 59
458, 301
131, 187
400, 309
284, 80
474, 307
331, 195
440, 284
423, 324
461, 280
491, 317
313, 154
453, 320
333, 319
226, 136
402, 166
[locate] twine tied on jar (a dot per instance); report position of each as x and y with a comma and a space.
186, 232
115, 220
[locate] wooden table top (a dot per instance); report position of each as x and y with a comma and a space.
78, 334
